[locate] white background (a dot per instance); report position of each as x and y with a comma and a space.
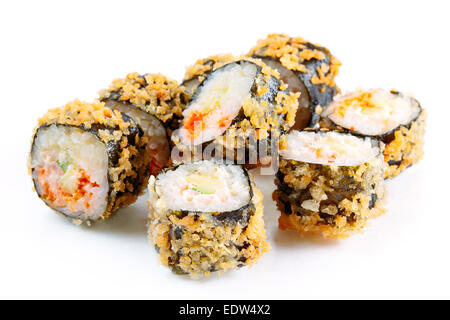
53, 52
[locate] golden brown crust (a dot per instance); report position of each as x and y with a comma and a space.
77, 113
404, 144
153, 93
261, 118
333, 201
202, 67
294, 52
406, 148
127, 174
197, 243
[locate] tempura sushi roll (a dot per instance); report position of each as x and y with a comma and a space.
396, 119
87, 161
307, 68
329, 182
237, 107
155, 103
206, 216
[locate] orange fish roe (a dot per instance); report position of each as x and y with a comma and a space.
333, 158
83, 182
60, 197
192, 123
363, 101
50, 195
224, 122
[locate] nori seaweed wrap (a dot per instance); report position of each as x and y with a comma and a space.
206, 216
155, 103
329, 182
394, 118
88, 161
238, 106
307, 68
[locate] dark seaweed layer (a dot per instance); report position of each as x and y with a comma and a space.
316, 95
171, 124
292, 198
386, 138
241, 215
113, 150
273, 85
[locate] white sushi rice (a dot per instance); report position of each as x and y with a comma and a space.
63, 151
218, 102
372, 112
204, 186
329, 148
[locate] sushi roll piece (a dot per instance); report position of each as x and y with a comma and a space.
329, 183
206, 216
392, 117
237, 107
307, 68
87, 161
155, 103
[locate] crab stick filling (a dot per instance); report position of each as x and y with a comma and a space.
372, 112
70, 171
205, 186
217, 102
63, 186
